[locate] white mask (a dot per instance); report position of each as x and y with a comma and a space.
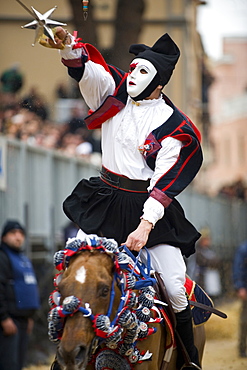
141, 74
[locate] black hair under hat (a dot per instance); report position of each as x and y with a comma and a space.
12, 225
163, 55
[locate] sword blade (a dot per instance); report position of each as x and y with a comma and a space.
28, 10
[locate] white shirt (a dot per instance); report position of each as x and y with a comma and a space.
127, 130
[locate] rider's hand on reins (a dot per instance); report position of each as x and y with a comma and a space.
139, 237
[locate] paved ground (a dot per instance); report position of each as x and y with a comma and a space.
222, 355
221, 345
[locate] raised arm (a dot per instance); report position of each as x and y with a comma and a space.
86, 65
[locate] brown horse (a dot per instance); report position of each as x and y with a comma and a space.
90, 278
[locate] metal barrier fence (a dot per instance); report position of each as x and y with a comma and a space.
35, 181
226, 219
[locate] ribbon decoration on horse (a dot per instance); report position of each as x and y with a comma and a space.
116, 339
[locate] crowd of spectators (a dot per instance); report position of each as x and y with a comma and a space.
28, 119
237, 190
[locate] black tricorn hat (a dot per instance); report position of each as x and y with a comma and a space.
163, 55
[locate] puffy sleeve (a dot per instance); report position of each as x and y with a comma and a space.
86, 65
96, 84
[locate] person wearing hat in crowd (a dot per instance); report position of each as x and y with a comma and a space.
19, 297
150, 153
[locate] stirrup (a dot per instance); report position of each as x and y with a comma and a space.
191, 364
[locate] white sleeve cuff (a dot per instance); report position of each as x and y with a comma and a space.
68, 52
153, 210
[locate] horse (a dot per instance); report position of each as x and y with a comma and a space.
104, 311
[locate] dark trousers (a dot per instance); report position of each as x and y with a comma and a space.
243, 328
13, 348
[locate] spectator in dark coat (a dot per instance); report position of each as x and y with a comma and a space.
19, 297
240, 284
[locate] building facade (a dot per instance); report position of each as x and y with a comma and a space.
227, 169
42, 68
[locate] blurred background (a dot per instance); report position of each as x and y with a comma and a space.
45, 148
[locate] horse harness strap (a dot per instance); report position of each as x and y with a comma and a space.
162, 293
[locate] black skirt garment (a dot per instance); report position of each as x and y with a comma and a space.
98, 208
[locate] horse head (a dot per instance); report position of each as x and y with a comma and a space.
95, 306
89, 278
85, 289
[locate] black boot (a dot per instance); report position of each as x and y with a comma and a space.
185, 332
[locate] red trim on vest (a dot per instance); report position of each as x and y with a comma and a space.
122, 81
104, 112
96, 56
110, 108
181, 169
117, 71
195, 129
185, 137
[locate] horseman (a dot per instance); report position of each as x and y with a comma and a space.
150, 153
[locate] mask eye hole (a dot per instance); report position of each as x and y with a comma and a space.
143, 71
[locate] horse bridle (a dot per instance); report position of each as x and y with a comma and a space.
133, 312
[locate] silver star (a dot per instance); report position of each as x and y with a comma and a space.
42, 24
